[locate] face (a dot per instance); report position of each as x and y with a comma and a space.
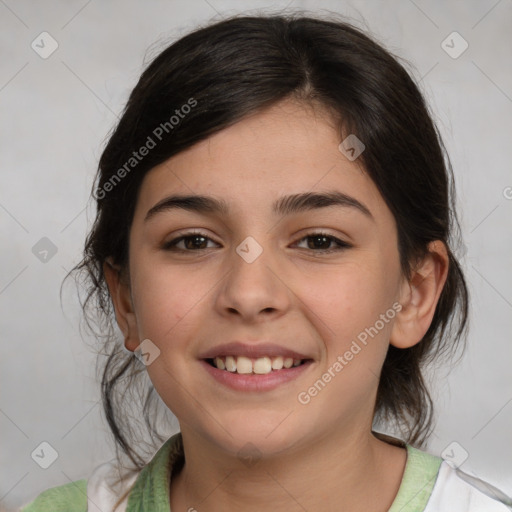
262, 284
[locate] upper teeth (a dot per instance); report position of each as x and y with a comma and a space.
261, 365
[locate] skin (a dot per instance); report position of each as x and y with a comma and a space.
318, 456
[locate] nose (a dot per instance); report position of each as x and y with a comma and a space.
254, 288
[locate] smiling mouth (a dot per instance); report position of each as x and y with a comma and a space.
256, 366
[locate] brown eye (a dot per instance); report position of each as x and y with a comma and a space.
191, 242
322, 242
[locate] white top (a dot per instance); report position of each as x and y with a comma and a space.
456, 491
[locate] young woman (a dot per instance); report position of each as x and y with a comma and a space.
274, 237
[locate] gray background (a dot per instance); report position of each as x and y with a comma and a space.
55, 115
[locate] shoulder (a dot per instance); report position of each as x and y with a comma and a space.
105, 489
111, 486
431, 484
71, 497
457, 491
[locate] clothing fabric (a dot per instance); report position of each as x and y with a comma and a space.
429, 484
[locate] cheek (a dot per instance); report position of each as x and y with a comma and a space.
167, 304
166, 300
345, 301
352, 309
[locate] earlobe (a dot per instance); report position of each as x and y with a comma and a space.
419, 297
120, 294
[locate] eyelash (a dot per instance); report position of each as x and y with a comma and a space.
171, 244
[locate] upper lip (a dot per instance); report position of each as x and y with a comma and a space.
254, 349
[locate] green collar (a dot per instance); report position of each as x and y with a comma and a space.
151, 490
418, 481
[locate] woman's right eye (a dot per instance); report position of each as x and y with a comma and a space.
191, 242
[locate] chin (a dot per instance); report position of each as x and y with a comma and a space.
255, 435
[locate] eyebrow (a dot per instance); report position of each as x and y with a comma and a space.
285, 205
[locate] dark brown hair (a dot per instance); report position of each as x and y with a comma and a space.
235, 67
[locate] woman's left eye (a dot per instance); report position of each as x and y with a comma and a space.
320, 240
198, 241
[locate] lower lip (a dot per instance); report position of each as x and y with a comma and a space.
255, 382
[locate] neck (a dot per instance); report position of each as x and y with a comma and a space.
356, 472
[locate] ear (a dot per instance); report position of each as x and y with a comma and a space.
419, 297
120, 294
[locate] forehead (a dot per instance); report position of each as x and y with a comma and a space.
286, 149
